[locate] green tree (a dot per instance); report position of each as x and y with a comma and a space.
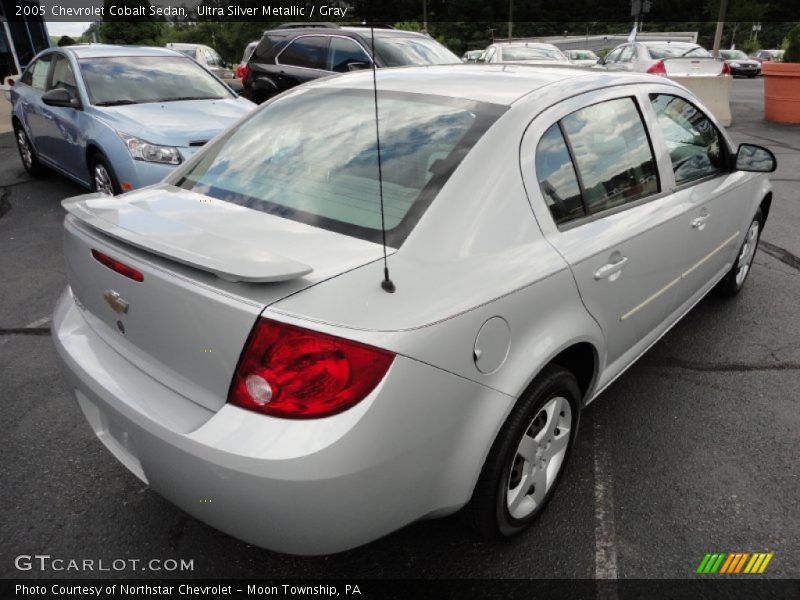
792, 53
65, 40
139, 30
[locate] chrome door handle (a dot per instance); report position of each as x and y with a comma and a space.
700, 222
611, 271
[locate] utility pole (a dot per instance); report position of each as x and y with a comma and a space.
425, 16
510, 17
723, 8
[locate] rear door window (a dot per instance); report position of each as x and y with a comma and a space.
557, 178
36, 73
309, 52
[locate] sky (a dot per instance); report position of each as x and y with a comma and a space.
70, 28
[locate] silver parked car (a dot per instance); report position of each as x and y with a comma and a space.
205, 56
229, 338
533, 53
680, 59
582, 58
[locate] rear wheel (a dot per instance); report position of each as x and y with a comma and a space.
103, 178
27, 153
734, 281
528, 457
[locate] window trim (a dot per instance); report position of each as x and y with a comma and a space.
327, 37
590, 216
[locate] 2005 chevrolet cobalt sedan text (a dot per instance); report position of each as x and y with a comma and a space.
229, 338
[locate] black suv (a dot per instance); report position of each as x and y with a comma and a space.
289, 56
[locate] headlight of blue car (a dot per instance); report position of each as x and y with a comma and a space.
141, 150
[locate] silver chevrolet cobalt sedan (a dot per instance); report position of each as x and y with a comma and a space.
232, 338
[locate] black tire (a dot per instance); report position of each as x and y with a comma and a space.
98, 161
730, 285
487, 512
27, 154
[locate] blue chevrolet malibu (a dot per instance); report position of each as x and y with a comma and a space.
115, 118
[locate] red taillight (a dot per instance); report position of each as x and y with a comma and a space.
658, 69
726, 69
117, 266
242, 71
287, 371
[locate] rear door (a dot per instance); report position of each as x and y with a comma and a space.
303, 59
596, 189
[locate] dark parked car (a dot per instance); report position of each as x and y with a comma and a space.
740, 63
289, 56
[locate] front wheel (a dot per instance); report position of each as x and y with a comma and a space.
528, 457
733, 282
27, 153
103, 178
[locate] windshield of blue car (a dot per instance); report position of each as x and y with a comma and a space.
312, 157
513, 53
138, 79
411, 51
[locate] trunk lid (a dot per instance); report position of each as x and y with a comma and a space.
209, 269
690, 67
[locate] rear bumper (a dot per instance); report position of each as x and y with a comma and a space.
413, 448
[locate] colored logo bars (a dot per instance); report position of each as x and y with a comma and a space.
734, 563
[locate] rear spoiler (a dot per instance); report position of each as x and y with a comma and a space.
227, 258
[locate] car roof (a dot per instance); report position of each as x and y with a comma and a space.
106, 50
667, 43
185, 45
497, 84
361, 31
527, 44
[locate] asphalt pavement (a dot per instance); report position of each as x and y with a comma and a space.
693, 450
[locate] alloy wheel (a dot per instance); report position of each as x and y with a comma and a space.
102, 180
539, 458
747, 254
24, 149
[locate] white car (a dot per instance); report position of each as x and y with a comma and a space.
532, 53
582, 58
236, 340
206, 56
669, 59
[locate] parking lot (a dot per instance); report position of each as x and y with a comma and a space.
693, 450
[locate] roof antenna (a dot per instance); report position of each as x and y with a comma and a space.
386, 284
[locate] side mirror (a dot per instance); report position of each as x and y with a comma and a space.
754, 158
60, 97
357, 66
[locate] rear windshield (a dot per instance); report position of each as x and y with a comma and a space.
138, 79
410, 51
733, 54
526, 53
312, 157
672, 51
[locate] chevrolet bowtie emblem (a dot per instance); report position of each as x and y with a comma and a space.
115, 301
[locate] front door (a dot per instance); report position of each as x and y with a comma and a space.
716, 196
